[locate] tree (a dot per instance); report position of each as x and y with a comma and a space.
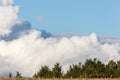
44, 72
57, 71
111, 69
118, 69
35, 76
99, 69
89, 68
75, 71
93, 68
10, 75
18, 75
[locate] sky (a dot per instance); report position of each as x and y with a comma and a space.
73, 16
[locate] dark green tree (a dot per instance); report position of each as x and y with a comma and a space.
75, 71
118, 69
35, 76
93, 69
99, 70
111, 69
10, 75
44, 72
57, 71
18, 75
89, 68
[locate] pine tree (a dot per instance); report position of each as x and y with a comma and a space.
18, 75
44, 72
35, 76
74, 71
118, 69
10, 75
111, 69
57, 71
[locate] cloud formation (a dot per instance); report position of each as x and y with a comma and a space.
8, 16
26, 49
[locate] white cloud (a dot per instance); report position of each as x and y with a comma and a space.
8, 16
30, 51
6, 2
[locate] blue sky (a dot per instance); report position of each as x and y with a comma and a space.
73, 16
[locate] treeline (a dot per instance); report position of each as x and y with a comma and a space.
18, 75
92, 68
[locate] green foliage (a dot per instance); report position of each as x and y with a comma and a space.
35, 76
44, 72
92, 68
118, 69
74, 71
18, 75
111, 69
10, 75
57, 71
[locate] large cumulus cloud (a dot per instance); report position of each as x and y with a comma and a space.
26, 49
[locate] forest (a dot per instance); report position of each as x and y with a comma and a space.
91, 68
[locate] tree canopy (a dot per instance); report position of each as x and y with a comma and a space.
92, 68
